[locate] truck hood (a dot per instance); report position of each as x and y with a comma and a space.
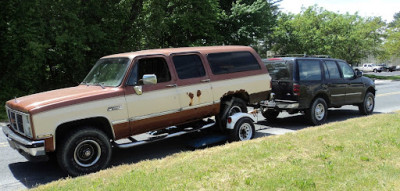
44, 101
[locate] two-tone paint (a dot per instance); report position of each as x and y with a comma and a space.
159, 106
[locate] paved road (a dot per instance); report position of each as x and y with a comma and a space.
17, 173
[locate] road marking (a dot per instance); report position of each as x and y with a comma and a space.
387, 94
3, 144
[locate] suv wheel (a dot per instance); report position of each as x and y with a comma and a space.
244, 130
375, 70
367, 106
318, 112
269, 114
84, 151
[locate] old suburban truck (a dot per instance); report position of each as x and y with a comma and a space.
152, 93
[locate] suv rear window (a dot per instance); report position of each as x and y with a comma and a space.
230, 62
278, 70
309, 70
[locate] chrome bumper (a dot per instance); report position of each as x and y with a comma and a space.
23, 145
280, 104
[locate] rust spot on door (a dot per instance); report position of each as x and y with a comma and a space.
198, 93
191, 96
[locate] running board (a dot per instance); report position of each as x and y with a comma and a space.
158, 138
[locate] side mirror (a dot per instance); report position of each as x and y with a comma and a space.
149, 79
359, 73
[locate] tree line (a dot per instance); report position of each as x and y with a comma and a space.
49, 44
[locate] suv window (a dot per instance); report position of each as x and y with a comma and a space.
309, 70
347, 70
230, 62
157, 66
278, 70
188, 66
333, 70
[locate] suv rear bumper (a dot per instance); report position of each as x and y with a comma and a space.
280, 104
32, 150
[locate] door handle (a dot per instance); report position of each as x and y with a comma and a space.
171, 85
205, 80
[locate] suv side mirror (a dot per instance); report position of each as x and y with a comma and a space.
149, 79
359, 73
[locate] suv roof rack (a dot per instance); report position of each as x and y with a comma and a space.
301, 55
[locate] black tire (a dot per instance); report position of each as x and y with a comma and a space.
244, 130
368, 105
84, 151
318, 112
229, 108
270, 115
375, 70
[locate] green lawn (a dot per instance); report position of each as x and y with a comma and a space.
382, 77
357, 154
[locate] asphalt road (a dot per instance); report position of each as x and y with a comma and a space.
18, 173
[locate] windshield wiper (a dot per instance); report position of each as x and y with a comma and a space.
85, 83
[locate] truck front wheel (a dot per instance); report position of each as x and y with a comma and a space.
84, 151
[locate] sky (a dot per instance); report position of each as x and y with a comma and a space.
365, 8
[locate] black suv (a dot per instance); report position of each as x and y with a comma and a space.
312, 85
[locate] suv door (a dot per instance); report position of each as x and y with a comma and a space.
355, 86
158, 105
310, 80
334, 82
193, 86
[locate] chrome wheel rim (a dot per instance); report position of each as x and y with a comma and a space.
87, 153
235, 109
319, 111
245, 132
369, 103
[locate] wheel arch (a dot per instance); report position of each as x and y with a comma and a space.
101, 123
323, 96
242, 94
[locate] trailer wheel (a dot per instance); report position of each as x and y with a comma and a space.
84, 151
244, 130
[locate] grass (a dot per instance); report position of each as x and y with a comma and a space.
357, 154
383, 77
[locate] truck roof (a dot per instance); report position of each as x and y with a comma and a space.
169, 51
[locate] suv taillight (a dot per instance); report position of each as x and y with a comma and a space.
296, 89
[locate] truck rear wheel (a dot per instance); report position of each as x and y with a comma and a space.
244, 130
229, 108
318, 112
84, 151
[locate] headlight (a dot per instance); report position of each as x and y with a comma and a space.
27, 125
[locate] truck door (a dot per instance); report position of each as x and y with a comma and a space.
335, 83
151, 106
354, 85
193, 86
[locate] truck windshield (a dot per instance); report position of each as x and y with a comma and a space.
107, 72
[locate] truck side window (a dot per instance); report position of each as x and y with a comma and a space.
230, 62
188, 66
332, 69
157, 66
309, 70
348, 72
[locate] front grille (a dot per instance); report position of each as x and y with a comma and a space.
16, 120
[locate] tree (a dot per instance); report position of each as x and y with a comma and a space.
316, 31
392, 42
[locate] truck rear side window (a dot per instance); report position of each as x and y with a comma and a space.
309, 70
188, 66
231, 62
278, 70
